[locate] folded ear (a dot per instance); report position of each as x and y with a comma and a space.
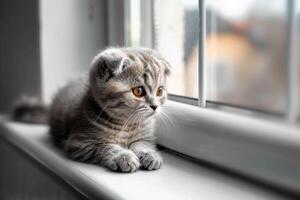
110, 62
166, 64
167, 67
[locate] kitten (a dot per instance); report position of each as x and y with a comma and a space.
107, 117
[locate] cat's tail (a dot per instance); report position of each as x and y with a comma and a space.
30, 110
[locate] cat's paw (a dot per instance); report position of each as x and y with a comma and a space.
125, 161
150, 160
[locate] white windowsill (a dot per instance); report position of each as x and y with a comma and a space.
177, 179
265, 150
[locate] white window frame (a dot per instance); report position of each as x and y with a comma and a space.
258, 146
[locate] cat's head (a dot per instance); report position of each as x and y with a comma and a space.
128, 80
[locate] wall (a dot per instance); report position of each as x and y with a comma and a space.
72, 32
19, 51
45, 43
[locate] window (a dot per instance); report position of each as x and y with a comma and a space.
246, 57
246, 52
176, 37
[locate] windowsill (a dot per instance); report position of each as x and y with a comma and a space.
177, 179
264, 150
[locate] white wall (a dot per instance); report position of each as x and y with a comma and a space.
71, 33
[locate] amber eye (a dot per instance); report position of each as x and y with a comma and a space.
138, 91
160, 91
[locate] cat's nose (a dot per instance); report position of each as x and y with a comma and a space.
153, 107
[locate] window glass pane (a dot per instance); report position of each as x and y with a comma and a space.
176, 37
246, 53
133, 23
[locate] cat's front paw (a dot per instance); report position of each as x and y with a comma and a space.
150, 160
125, 161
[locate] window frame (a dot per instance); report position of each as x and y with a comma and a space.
293, 64
229, 137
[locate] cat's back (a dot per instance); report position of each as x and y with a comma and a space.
66, 106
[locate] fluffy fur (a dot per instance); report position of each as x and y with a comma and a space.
98, 119
30, 110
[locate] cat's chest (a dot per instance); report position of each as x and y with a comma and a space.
125, 138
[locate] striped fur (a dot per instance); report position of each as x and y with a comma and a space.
97, 118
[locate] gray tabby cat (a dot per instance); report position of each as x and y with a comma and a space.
107, 118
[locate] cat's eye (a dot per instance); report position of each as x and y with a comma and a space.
138, 91
160, 91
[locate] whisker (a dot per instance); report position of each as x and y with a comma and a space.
101, 112
128, 120
141, 117
168, 122
158, 125
168, 118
